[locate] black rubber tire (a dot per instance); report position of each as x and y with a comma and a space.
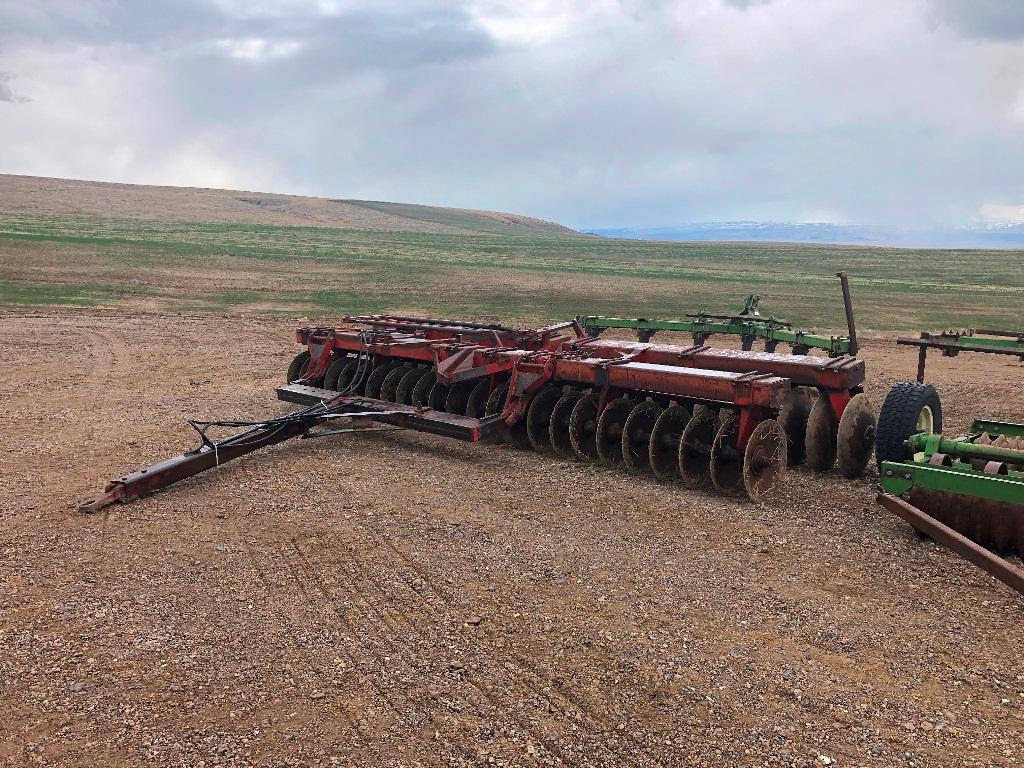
898, 418
334, 371
297, 366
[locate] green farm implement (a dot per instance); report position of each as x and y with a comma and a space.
953, 342
748, 324
966, 492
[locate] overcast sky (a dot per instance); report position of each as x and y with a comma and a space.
630, 113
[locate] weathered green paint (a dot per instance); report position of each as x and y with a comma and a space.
963, 448
898, 478
972, 340
770, 329
995, 428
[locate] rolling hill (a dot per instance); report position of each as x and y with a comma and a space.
38, 195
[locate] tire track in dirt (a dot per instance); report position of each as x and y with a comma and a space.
394, 650
312, 663
397, 651
319, 598
446, 609
110, 353
517, 676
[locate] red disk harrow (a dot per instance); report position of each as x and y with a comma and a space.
825, 416
731, 420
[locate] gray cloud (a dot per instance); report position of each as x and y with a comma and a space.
647, 112
984, 19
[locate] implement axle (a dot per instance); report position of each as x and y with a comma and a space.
962, 449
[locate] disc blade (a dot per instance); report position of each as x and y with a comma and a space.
765, 460
855, 440
457, 397
538, 418
334, 370
793, 419
496, 400
609, 430
583, 427
421, 390
664, 444
389, 387
407, 385
820, 441
558, 426
476, 404
727, 460
694, 458
437, 397
376, 379
636, 436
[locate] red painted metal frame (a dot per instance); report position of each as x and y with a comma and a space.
419, 339
414, 339
169, 471
838, 377
755, 395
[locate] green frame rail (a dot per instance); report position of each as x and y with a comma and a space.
953, 342
749, 324
959, 477
773, 330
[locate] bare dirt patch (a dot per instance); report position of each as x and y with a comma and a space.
401, 600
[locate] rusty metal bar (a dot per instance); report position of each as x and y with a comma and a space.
164, 473
169, 471
708, 385
988, 561
405, 416
394, 321
851, 326
840, 373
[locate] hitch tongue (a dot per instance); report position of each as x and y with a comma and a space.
114, 492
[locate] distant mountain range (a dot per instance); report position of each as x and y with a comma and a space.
986, 236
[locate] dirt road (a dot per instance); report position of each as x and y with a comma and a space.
403, 600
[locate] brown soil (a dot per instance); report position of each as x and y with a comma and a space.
400, 600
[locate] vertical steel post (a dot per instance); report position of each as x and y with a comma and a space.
922, 358
848, 305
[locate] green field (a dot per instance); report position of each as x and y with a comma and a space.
69, 260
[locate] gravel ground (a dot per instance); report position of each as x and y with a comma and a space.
403, 600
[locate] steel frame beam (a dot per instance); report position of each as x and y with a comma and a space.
952, 343
169, 471
772, 330
988, 561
